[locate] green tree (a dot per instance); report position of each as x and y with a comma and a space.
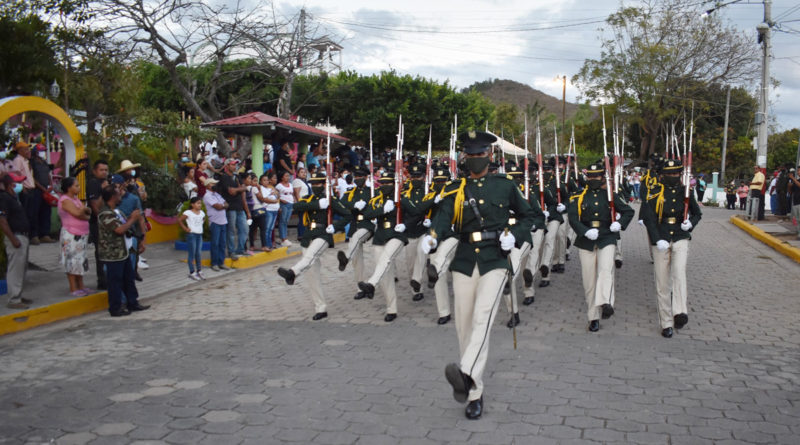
782, 149
28, 58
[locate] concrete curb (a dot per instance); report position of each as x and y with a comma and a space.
781, 246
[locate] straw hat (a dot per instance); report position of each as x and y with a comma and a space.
127, 165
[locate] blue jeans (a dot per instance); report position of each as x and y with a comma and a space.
194, 242
283, 224
120, 277
218, 237
237, 231
272, 216
636, 190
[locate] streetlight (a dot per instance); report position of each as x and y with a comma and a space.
55, 90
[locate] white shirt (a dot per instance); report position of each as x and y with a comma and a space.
299, 183
255, 190
190, 188
272, 194
286, 192
195, 221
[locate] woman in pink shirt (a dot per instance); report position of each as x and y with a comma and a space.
74, 236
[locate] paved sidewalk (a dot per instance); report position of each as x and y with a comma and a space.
239, 361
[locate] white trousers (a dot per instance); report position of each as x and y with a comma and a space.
310, 261
597, 272
17, 264
535, 259
548, 251
441, 260
560, 255
355, 252
416, 259
518, 258
385, 271
476, 300
618, 250
670, 275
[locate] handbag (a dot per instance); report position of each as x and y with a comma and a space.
50, 197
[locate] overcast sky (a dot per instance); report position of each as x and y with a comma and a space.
383, 35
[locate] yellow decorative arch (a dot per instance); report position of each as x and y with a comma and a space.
73, 144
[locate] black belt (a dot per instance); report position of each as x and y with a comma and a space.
476, 237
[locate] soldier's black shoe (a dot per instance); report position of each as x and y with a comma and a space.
618, 263
287, 274
527, 301
594, 325
367, 288
443, 320
460, 382
319, 316
545, 271
558, 268
418, 296
527, 277
359, 295
680, 320
666, 333
514, 321
608, 311
544, 283
474, 409
389, 317
342, 260
433, 276
415, 286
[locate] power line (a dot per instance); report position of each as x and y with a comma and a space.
439, 31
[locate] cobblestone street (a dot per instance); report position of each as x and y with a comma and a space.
237, 359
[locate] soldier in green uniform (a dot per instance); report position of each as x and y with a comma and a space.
387, 242
669, 231
415, 210
361, 228
590, 215
560, 252
649, 182
554, 220
534, 259
317, 237
478, 212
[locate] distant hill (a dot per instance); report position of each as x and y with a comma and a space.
508, 91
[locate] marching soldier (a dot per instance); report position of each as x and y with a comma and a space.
361, 228
387, 242
537, 236
554, 220
649, 182
590, 216
669, 231
415, 208
560, 252
443, 255
317, 238
479, 213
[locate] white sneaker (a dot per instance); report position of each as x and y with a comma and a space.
286, 243
194, 276
142, 265
141, 258
200, 274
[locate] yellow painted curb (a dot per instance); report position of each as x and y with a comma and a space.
48, 314
781, 246
247, 262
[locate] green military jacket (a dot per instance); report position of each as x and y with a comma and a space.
662, 213
384, 229
590, 210
357, 218
449, 188
521, 233
415, 208
552, 203
316, 219
496, 197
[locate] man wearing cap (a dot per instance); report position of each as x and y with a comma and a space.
534, 260
216, 208
238, 214
478, 212
590, 215
94, 197
567, 190
415, 212
554, 220
387, 242
14, 225
361, 227
130, 201
313, 210
28, 197
669, 231
445, 251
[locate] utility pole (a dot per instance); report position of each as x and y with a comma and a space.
725, 138
761, 117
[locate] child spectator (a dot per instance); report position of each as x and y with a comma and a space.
270, 193
192, 222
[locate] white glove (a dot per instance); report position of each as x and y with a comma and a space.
437, 199
615, 226
546, 214
561, 207
329, 229
360, 204
507, 241
427, 244
323, 203
641, 222
388, 207
592, 234
662, 245
617, 216
426, 222
400, 228
686, 226
249, 221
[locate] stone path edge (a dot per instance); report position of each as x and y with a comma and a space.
782, 247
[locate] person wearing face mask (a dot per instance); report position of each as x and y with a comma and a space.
15, 228
415, 209
590, 216
361, 227
567, 190
313, 211
554, 220
387, 242
478, 212
534, 260
669, 233
442, 256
